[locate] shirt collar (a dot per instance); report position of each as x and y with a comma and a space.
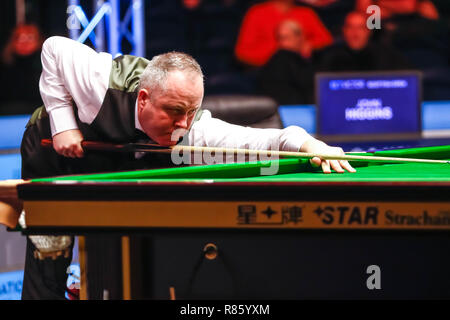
136, 119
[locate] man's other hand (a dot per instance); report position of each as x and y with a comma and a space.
319, 147
68, 143
10, 204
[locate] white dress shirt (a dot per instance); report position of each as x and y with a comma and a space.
71, 70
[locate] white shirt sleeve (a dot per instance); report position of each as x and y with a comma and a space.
71, 70
212, 132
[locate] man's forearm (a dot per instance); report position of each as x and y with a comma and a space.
72, 71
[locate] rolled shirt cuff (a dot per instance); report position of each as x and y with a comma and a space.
62, 119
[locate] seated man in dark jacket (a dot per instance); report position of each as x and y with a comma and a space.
288, 76
357, 52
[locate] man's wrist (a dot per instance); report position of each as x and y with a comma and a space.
62, 119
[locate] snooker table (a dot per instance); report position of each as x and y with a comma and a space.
225, 231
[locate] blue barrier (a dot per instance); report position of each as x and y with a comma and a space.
11, 131
10, 166
11, 285
299, 115
436, 115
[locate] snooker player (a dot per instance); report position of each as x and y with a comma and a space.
90, 96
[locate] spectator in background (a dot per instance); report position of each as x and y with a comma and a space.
391, 8
20, 71
288, 77
331, 12
191, 4
257, 41
413, 27
358, 52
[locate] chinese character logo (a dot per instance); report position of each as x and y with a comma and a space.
246, 214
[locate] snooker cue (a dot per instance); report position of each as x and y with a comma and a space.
306, 155
147, 147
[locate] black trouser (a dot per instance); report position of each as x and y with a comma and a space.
47, 278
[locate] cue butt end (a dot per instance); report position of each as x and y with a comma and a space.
172, 293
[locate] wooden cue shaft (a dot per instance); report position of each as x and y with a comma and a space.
304, 155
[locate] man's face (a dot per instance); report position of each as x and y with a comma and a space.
289, 39
166, 115
355, 32
26, 40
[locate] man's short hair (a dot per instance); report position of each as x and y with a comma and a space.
155, 74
